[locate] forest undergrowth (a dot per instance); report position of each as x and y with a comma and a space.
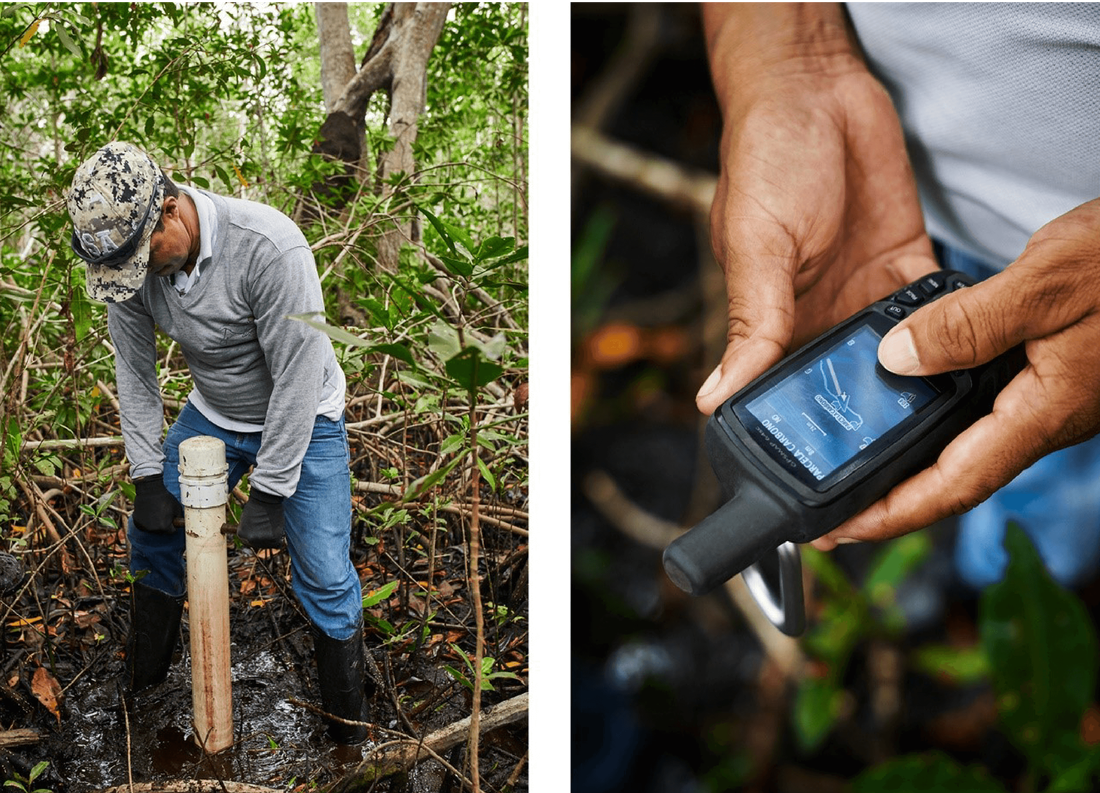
65, 615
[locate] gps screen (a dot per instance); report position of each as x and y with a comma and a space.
837, 405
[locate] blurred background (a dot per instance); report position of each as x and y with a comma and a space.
892, 680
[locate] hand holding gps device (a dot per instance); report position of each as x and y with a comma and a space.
816, 439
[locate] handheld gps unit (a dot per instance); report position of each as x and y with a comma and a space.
817, 438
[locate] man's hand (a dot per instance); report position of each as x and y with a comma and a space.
816, 213
1048, 300
155, 508
262, 523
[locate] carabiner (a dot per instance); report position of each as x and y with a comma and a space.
775, 582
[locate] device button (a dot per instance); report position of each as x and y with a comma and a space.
931, 284
909, 297
895, 312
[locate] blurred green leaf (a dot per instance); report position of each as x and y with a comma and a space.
816, 708
897, 559
1081, 775
958, 664
923, 773
592, 279
842, 622
1044, 652
827, 571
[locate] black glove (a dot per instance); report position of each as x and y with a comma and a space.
155, 508
262, 521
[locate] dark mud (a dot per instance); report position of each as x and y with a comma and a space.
94, 741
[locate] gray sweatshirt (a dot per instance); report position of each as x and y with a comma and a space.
249, 361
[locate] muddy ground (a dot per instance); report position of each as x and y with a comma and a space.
64, 629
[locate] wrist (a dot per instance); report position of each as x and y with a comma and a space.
263, 497
751, 42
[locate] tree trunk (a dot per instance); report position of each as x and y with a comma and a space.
396, 61
337, 54
408, 93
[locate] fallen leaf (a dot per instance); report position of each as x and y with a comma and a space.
47, 690
85, 619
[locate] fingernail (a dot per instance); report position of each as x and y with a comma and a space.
711, 382
847, 540
897, 352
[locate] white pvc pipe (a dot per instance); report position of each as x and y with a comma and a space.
204, 494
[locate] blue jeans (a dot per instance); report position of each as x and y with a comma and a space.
1056, 501
318, 522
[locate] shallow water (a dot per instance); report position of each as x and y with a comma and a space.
275, 741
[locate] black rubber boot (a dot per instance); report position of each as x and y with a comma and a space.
340, 668
154, 631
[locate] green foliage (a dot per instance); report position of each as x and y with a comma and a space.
849, 616
26, 783
466, 677
1039, 649
1045, 651
924, 772
228, 97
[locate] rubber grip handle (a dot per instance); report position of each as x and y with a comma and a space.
722, 545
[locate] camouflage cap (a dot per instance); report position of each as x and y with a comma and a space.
115, 203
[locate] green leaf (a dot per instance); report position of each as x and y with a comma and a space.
80, 306
827, 571
38, 769
897, 560
494, 247
439, 227
452, 443
493, 348
427, 482
399, 351
925, 772
816, 708
842, 622
961, 665
333, 332
413, 378
382, 593
1045, 655
1079, 776
67, 40
457, 266
458, 676
472, 370
460, 235
443, 341
518, 256
486, 474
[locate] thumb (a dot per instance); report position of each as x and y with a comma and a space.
966, 328
760, 317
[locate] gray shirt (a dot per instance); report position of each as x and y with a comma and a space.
248, 360
998, 103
